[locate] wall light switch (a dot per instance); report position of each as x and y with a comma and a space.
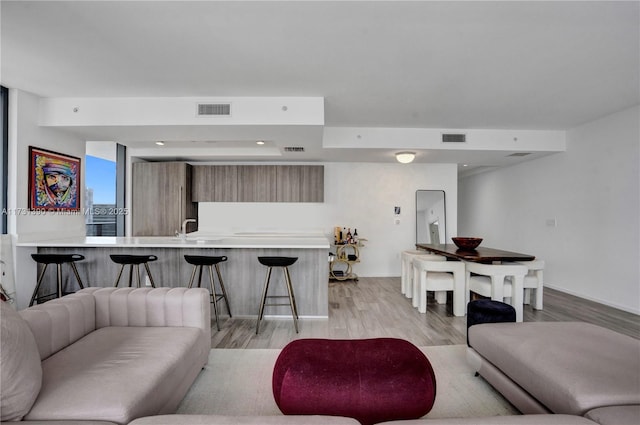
551, 222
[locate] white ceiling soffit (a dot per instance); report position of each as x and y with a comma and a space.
526, 65
139, 122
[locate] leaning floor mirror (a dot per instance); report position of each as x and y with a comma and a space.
430, 217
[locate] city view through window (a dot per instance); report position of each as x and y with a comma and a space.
100, 196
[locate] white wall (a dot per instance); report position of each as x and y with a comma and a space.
24, 132
357, 195
592, 191
22, 224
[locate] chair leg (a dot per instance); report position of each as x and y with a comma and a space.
75, 271
213, 292
458, 294
130, 275
403, 276
59, 279
137, 268
200, 277
264, 299
193, 275
292, 299
224, 291
409, 279
146, 266
119, 275
422, 302
293, 296
538, 298
35, 291
415, 273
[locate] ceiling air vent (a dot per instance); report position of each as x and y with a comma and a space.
520, 154
294, 149
209, 109
454, 138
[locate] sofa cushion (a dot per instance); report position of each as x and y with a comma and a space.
502, 420
615, 415
66, 423
244, 420
61, 322
116, 374
569, 367
20, 367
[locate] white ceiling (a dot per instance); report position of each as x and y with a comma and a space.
425, 64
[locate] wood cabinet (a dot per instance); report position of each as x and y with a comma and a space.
258, 183
312, 187
215, 183
299, 183
161, 198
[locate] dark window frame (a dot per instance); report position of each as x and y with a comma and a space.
121, 165
4, 158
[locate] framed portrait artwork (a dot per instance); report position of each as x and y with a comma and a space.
54, 181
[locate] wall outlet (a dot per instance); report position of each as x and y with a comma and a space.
551, 222
396, 221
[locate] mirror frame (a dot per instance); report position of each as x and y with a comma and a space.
443, 225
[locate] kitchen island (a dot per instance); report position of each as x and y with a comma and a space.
243, 275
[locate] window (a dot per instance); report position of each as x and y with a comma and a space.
102, 209
4, 153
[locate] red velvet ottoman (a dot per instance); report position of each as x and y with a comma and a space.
370, 380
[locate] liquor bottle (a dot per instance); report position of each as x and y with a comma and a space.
344, 236
349, 237
355, 237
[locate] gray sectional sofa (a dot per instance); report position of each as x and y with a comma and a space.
556, 373
103, 354
106, 356
568, 368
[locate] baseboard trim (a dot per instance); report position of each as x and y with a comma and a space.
595, 300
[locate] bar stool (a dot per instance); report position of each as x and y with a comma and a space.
283, 262
133, 261
199, 261
57, 259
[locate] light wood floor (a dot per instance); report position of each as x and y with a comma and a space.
374, 307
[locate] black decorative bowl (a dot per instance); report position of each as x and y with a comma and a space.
467, 244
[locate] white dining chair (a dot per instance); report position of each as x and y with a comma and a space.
439, 276
489, 280
407, 276
533, 281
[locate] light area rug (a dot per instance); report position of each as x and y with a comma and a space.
238, 382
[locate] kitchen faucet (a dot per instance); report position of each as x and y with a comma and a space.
183, 230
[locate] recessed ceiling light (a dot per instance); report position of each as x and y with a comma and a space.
260, 142
465, 165
160, 143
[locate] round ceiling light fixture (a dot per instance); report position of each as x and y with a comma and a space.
160, 143
405, 157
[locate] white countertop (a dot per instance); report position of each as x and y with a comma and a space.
193, 240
